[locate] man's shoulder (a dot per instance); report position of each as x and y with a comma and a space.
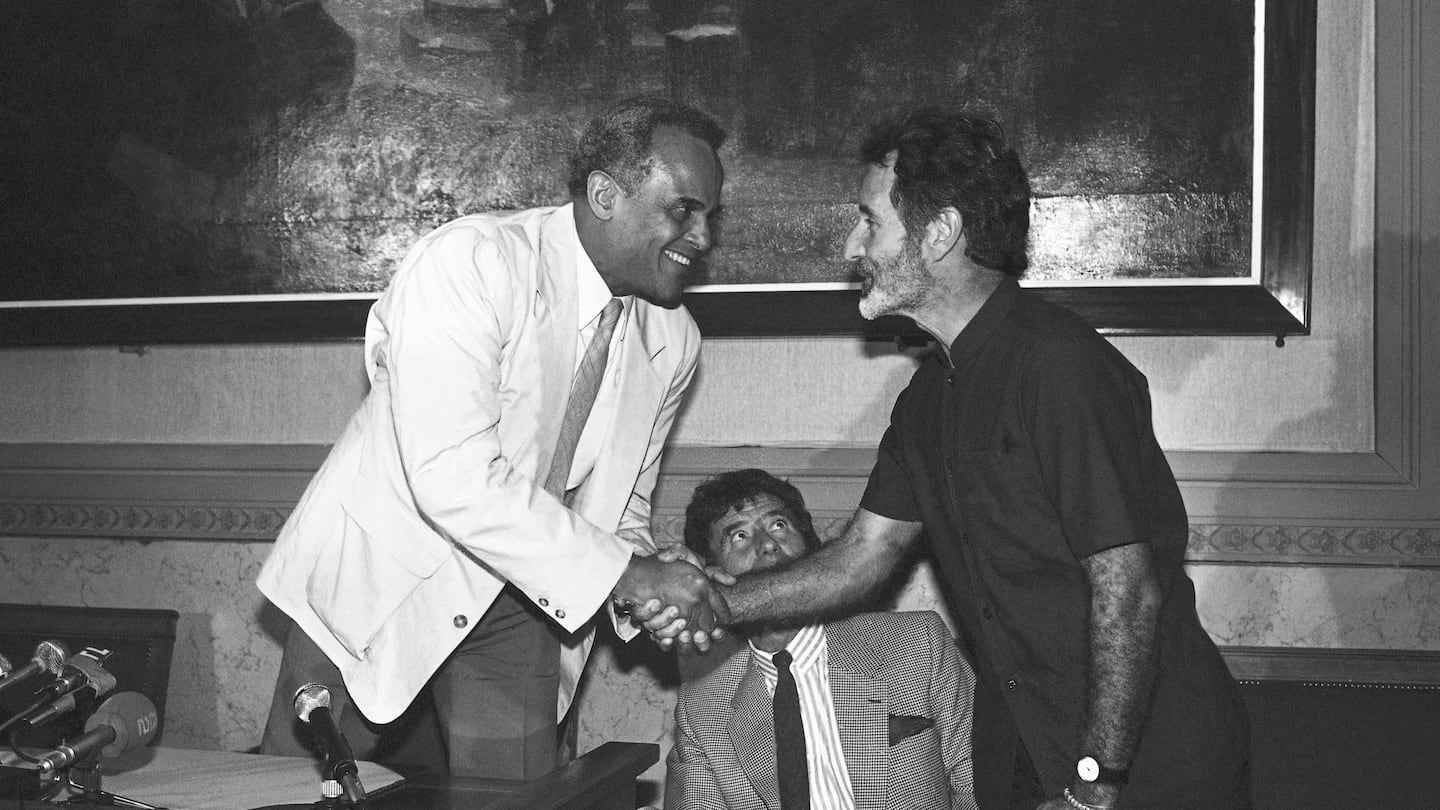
527, 226
676, 320
877, 627
719, 685
1050, 336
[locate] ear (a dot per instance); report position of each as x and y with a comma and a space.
601, 192
943, 233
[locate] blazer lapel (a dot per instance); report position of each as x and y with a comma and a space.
556, 316
752, 733
632, 423
862, 710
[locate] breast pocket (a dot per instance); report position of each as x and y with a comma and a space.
918, 778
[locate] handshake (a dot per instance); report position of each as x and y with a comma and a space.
676, 598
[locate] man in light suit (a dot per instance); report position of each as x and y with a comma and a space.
885, 697
437, 544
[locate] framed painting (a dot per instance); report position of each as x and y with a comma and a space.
254, 170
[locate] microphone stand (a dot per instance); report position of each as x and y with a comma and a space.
88, 769
339, 788
344, 774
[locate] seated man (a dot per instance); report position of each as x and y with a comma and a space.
884, 699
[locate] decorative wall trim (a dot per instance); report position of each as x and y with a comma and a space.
245, 492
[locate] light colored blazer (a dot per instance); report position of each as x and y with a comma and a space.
903, 698
432, 498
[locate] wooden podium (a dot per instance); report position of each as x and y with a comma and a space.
181, 779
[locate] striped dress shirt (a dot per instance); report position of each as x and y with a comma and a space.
829, 778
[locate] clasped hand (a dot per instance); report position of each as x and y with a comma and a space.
674, 599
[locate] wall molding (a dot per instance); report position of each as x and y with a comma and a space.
1412, 669
245, 492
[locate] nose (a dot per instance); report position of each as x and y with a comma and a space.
768, 544
854, 246
699, 234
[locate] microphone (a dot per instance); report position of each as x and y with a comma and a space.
4, 667
81, 678
48, 657
122, 724
312, 706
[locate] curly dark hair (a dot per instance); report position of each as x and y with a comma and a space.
733, 490
617, 141
945, 159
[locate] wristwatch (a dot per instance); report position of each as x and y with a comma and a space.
1092, 772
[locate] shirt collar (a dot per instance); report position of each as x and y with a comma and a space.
592, 291
986, 322
808, 649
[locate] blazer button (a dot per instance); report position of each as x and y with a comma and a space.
544, 602
460, 621
559, 614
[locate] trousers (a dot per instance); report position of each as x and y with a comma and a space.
493, 700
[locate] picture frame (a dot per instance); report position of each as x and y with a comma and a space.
1273, 300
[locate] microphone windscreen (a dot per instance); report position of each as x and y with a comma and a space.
51, 655
133, 717
309, 697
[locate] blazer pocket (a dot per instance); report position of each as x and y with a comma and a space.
396, 528
381, 557
904, 726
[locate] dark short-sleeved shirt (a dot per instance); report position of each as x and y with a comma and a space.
1030, 449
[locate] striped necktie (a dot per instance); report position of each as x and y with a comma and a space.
789, 739
582, 397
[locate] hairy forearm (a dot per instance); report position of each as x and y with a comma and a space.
1124, 650
830, 581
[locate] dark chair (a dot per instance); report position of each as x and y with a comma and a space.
141, 641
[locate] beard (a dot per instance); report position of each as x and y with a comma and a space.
897, 285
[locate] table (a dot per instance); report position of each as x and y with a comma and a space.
183, 779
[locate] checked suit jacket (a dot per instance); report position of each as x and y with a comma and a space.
903, 698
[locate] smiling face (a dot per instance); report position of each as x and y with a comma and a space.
895, 279
658, 233
758, 535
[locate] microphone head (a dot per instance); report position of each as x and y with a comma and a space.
4, 666
310, 697
51, 655
133, 718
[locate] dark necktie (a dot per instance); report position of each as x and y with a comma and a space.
790, 739
582, 397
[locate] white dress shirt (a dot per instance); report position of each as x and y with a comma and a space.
810, 664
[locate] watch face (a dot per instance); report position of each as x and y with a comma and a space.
1088, 768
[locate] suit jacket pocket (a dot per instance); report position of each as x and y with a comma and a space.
903, 726
918, 777
366, 571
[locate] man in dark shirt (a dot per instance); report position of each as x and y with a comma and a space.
1024, 450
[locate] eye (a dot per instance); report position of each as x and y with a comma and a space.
780, 523
739, 537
